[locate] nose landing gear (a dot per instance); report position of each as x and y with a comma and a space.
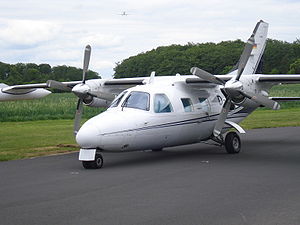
95, 164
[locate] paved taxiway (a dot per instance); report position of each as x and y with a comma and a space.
196, 184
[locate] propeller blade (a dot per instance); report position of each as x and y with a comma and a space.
223, 116
86, 61
78, 115
206, 76
262, 100
58, 85
245, 56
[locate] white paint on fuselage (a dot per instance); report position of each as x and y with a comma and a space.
129, 129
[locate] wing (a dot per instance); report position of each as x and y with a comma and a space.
279, 79
271, 80
27, 91
100, 87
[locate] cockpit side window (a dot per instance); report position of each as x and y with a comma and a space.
162, 104
187, 104
137, 100
117, 100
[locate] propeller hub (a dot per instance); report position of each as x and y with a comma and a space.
234, 85
81, 90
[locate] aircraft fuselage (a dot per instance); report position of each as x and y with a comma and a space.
158, 115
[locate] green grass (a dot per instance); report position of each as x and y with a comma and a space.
261, 118
288, 115
54, 106
45, 126
36, 138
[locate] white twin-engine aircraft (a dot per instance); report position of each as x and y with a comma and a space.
157, 112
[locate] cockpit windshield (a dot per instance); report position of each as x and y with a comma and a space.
137, 100
117, 100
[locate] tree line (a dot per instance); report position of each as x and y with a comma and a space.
26, 73
280, 57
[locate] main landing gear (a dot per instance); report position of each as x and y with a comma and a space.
232, 142
95, 164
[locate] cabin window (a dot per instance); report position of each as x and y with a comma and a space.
162, 104
187, 104
117, 100
137, 100
204, 105
202, 100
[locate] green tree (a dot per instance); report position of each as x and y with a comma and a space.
45, 68
295, 67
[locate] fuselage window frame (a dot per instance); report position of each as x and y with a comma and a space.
136, 104
117, 100
203, 104
159, 99
187, 104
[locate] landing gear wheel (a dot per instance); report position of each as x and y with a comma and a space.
232, 143
96, 164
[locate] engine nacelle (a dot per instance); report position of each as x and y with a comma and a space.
96, 102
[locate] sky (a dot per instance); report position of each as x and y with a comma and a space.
56, 31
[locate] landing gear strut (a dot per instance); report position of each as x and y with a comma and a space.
95, 164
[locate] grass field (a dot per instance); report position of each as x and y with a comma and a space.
45, 126
35, 138
52, 107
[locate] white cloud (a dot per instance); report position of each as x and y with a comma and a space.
101, 40
102, 64
27, 33
56, 31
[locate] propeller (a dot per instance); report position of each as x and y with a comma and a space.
86, 61
81, 90
233, 89
58, 85
78, 116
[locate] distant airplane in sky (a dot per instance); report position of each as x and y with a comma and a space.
124, 14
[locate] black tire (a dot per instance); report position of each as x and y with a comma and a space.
96, 164
232, 143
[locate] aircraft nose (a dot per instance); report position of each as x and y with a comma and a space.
88, 137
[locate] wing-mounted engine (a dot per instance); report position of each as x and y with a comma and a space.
92, 93
96, 102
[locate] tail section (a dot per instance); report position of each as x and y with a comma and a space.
260, 37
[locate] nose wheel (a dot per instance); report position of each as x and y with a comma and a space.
95, 164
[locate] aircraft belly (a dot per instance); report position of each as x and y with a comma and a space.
154, 138
193, 133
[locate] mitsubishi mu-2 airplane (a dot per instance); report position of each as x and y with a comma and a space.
152, 113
